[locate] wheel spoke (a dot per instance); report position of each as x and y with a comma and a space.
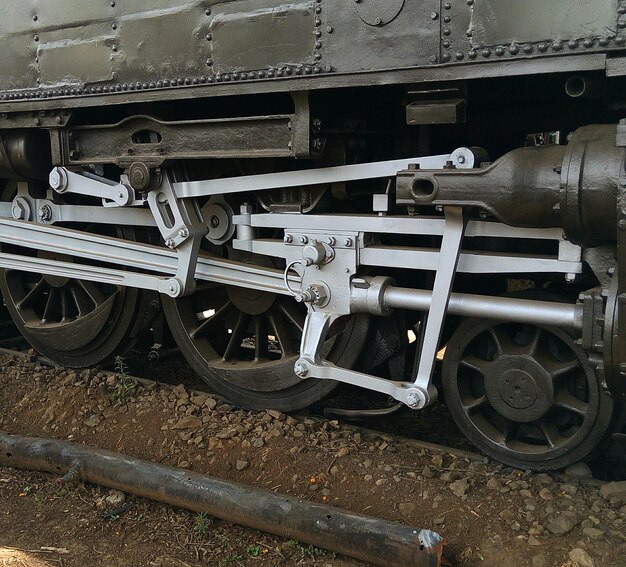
556, 368
35, 292
84, 303
237, 336
474, 403
290, 311
65, 307
51, 305
209, 322
282, 332
567, 401
534, 342
502, 341
475, 363
92, 290
551, 435
261, 342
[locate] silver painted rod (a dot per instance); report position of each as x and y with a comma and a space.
486, 307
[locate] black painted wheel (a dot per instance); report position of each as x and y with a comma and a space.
244, 344
72, 322
525, 395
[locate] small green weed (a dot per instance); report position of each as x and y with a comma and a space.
125, 385
202, 523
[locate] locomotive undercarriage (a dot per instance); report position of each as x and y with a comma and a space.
272, 278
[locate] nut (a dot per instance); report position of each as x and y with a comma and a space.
300, 369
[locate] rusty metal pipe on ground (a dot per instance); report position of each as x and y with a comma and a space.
370, 539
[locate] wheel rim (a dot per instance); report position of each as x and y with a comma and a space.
524, 394
244, 343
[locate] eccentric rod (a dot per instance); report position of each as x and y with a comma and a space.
376, 541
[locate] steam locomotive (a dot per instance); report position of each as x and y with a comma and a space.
422, 199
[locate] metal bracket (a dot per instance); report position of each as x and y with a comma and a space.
181, 226
421, 392
64, 181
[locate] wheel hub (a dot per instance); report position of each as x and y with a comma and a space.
251, 301
519, 388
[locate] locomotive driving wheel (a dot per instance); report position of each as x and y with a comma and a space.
525, 395
244, 344
74, 323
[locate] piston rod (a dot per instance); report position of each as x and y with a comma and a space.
499, 308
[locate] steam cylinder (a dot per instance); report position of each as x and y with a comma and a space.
573, 186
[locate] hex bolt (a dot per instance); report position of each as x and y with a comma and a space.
413, 401
303, 240
622, 224
348, 242
460, 159
288, 239
300, 369
169, 243
19, 211
183, 233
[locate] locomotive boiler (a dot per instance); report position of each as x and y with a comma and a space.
425, 199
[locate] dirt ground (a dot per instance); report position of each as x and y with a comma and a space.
491, 515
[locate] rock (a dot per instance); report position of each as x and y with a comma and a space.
532, 540
581, 557
494, 484
427, 472
569, 489
539, 560
437, 461
181, 393
115, 498
184, 465
592, 532
228, 434
368, 477
546, 494
613, 490
199, 399
579, 470
211, 403
92, 421
381, 482
187, 422
562, 524
242, 465
277, 415
439, 521
459, 487
406, 508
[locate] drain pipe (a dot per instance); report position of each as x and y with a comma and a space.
376, 541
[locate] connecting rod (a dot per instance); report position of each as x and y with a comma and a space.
376, 541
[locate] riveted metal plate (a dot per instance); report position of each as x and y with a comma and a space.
248, 36
481, 30
377, 13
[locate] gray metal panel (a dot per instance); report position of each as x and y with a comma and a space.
410, 39
249, 36
482, 29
